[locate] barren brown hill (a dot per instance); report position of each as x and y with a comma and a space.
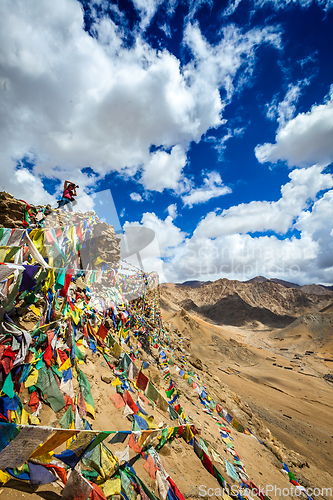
283, 380
256, 303
309, 332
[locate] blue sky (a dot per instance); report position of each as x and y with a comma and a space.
209, 122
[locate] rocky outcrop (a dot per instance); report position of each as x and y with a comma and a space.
106, 244
103, 243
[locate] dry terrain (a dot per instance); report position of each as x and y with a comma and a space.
272, 345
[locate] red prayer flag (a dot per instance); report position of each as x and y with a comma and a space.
69, 402
175, 490
85, 333
34, 401
142, 381
97, 493
150, 467
48, 355
68, 277
132, 444
129, 401
117, 400
102, 331
207, 463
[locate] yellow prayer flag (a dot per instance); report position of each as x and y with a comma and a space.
50, 281
112, 487
116, 350
149, 420
14, 417
35, 310
32, 379
34, 420
4, 477
67, 364
234, 423
46, 458
108, 462
188, 433
75, 316
170, 431
56, 439
116, 382
25, 417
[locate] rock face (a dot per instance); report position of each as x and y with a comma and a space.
12, 211
103, 242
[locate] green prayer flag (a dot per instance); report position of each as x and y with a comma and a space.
93, 459
60, 282
163, 439
86, 392
51, 393
8, 386
203, 445
67, 419
169, 393
218, 476
110, 340
172, 412
78, 354
145, 488
98, 439
212, 404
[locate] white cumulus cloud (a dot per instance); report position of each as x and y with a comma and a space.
136, 197
172, 210
165, 171
303, 140
275, 216
213, 187
221, 246
72, 100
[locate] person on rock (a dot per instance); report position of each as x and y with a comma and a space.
68, 195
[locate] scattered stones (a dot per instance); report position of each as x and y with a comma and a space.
177, 446
107, 379
196, 362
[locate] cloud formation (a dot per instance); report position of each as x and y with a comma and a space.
223, 244
213, 187
71, 100
303, 140
277, 216
136, 197
279, 4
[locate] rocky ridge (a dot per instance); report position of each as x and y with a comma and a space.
256, 303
